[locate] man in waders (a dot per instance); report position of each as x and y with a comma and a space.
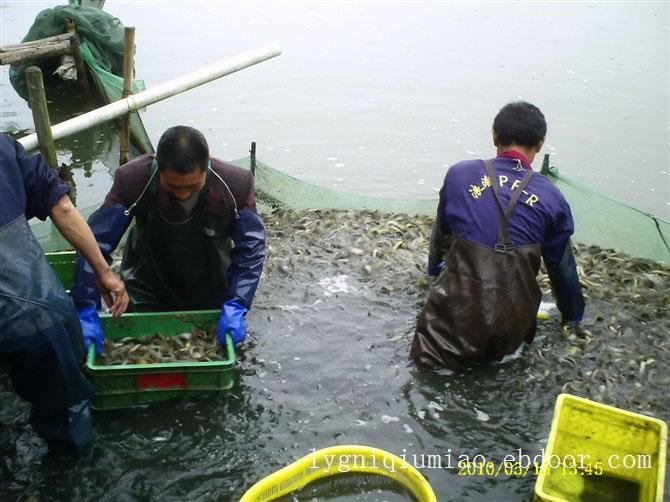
197, 242
497, 219
41, 341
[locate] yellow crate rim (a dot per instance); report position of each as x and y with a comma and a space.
329, 462
540, 494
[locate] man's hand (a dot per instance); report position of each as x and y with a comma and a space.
73, 227
113, 291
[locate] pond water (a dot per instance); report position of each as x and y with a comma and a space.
380, 100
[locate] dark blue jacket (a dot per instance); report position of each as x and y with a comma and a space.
29, 185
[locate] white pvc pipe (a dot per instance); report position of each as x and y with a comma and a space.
155, 94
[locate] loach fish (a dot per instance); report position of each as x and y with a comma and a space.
619, 355
196, 346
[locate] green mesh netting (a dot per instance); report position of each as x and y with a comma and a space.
599, 219
277, 189
101, 37
606, 222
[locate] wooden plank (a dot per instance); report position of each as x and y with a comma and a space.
31, 54
34, 43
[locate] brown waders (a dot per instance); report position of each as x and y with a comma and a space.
483, 304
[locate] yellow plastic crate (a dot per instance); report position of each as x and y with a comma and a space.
600, 453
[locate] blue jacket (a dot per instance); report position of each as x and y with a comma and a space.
29, 185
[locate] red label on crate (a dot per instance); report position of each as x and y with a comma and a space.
161, 380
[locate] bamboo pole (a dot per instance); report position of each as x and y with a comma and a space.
252, 162
38, 105
128, 64
160, 92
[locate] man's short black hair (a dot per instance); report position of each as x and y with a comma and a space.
520, 123
182, 149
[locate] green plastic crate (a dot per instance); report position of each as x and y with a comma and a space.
121, 386
623, 455
63, 263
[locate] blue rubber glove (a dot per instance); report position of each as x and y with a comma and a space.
232, 319
91, 327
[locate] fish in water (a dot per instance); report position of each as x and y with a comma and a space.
618, 355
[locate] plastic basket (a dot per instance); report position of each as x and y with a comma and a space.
63, 263
335, 460
121, 386
600, 453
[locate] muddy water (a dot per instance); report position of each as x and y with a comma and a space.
326, 363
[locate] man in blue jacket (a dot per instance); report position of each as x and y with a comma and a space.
41, 342
495, 220
197, 242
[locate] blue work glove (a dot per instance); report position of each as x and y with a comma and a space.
91, 328
232, 319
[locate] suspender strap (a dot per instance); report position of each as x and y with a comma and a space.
503, 234
503, 240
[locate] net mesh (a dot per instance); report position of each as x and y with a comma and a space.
599, 219
608, 223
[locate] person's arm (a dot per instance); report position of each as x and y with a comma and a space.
439, 237
247, 257
565, 286
245, 269
561, 266
75, 230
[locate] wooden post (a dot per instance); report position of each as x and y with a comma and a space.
253, 158
38, 105
128, 65
82, 76
545, 165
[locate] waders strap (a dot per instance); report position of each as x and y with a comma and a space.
504, 243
